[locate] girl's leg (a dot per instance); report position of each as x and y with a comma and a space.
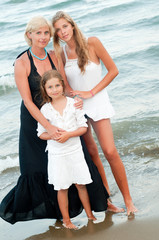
104, 134
62, 197
83, 195
93, 151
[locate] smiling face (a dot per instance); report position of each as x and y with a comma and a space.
54, 88
64, 29
40, 38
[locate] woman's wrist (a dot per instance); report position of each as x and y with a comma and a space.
48, 126
92, 93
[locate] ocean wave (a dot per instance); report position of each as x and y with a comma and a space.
146, 22
16, 1
106, 9
58, 5
6, 82
147, 51
138, 136
8, 164
142, 149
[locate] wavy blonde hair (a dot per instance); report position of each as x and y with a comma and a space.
34, 24
80, 40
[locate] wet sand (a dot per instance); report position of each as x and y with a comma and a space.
113, 227
144, 225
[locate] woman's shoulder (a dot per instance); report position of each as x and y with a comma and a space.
61, 55
22, 59
53, 58
93, 40
94, 43
96, 46
52, 53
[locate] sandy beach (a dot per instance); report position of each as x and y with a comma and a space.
113, 227
129, 230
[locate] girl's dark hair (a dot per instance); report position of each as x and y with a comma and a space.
45, 77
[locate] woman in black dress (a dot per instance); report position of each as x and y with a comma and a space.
32, 197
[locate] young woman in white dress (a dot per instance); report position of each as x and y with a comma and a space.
66, 162
81, 59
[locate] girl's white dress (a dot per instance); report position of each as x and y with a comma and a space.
66, 162
97, 107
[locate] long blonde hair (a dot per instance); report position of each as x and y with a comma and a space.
80, 40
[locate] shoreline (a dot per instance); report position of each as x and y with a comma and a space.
113, 227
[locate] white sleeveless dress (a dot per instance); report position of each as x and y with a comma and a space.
97, 107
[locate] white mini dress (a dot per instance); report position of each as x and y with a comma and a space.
66, 162
97, 107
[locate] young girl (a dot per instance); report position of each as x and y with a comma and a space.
66, 162
81, 59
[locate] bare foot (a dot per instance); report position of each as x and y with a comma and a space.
92, 217
113, 208
69, 225
131, 209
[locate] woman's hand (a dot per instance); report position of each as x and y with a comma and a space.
81, 94
54, 132
78, 103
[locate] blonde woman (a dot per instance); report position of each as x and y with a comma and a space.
81, 59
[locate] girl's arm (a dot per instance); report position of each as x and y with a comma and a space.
101, 53
78, 132
45, 136
21, 79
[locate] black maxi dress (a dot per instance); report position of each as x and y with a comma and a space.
32, 197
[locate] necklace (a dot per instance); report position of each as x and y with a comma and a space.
38, 57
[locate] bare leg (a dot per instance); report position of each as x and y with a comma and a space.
62, 197
104, 134
93, 151
83, 195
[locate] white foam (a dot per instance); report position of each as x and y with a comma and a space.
7, 81
8, 163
